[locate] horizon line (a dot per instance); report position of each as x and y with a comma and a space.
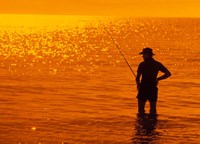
108, 15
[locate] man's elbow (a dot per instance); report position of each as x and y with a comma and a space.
168, 74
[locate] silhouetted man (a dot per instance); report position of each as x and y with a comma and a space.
147, 86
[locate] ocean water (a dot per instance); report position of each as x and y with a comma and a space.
63, 81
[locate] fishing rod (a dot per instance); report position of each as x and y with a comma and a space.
121, 52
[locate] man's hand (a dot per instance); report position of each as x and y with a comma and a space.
166, 75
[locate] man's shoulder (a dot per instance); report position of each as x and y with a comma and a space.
141, 64
140, 67
160, 66
157, 62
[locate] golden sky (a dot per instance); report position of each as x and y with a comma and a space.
167, 8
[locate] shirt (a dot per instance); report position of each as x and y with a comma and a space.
149, 70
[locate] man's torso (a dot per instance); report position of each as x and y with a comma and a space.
149, 70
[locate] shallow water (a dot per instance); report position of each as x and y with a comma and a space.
63, 80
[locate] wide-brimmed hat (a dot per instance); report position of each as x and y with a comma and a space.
147, 51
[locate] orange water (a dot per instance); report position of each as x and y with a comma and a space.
63, 80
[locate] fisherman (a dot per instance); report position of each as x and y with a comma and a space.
147, 81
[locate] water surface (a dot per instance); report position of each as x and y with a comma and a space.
64, 81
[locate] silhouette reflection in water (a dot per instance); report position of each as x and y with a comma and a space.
145, 130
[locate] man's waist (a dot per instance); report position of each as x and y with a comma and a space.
152, 84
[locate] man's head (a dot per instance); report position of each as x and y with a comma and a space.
147, 53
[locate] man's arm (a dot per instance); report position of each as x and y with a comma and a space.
166, 75
138, 80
